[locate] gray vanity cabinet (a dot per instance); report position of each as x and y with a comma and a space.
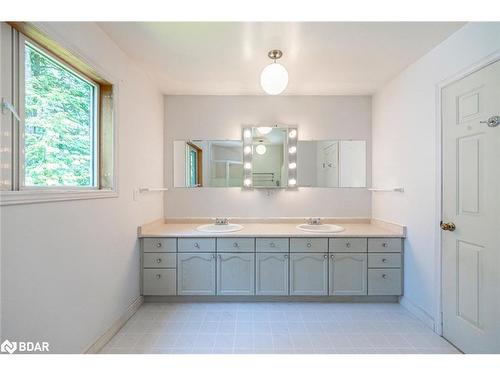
235, 274
278, 266
196, 273
348, 274
308, 274
271, 274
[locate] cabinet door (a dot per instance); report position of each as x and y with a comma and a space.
271, 273
384, 282
308, 274
196, 274
348, 274
158, 282
235, 274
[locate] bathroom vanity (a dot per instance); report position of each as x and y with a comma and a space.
272, 259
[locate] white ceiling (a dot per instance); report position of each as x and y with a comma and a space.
322, 58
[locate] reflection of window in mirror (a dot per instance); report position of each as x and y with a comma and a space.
194, 165
207, 163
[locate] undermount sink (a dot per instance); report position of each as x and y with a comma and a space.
219, 228
321, 228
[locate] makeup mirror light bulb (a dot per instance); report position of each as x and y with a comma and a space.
247, 133
293, 133
247, 182
292, 150
247, 150
248, 165
292, 165
292, 182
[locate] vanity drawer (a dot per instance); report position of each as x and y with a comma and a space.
385, 245
159, 282
236, 245
347, 245
271, 245
310, 245
187, 245
384, 282
159, 245
383, 260
159, 260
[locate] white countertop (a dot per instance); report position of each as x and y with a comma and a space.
362, 228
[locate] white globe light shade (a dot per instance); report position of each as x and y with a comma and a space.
261, 149
274, 79
264, 129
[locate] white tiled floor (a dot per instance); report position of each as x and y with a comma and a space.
275, 327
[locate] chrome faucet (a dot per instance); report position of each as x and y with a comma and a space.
221, 221
314, 221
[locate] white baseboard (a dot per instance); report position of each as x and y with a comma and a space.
115, 327
418, 312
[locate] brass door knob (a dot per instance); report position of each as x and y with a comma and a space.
448, 226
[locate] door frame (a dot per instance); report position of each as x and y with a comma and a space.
488, 60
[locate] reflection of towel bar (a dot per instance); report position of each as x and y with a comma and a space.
389, 190
263, 176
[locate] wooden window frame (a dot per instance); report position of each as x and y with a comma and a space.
105, 184
199, 163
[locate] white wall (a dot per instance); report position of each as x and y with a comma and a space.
405, 153
221, 117
71, 269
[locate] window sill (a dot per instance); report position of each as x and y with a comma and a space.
8, 198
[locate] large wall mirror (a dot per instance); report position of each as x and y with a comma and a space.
269, 158
331, 163
201, 163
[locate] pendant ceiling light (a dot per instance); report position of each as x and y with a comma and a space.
274, 77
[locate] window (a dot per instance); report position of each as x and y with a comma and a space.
60, 129
57, 137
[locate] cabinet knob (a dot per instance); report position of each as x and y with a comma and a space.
286, 256
213, 256
158, 260
272, 244
348, 244
236, 244
197, 245
332, 256
384, 244
384, 276
158, 276
325, 256
158, 244
309, 244
220, 256
384, 260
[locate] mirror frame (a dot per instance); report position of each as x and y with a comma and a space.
292, 135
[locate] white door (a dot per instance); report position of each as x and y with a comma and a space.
271, 273
348, 274
330, 165
235, 274
196, 274
308, 274
471, 190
